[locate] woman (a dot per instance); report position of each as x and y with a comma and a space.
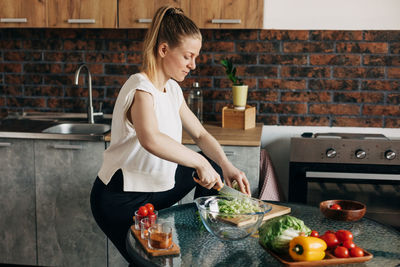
146, 161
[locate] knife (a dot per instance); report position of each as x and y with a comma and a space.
229, 191
225, 189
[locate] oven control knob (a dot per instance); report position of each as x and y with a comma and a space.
360, 154
390, 154
331, 153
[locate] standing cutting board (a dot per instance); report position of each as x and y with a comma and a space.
277, 210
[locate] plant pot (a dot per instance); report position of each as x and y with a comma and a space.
239, 96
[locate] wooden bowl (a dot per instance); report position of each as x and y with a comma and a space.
351, 210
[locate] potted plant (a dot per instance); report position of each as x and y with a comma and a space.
239, 89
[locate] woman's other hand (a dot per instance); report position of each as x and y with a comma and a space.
231, 173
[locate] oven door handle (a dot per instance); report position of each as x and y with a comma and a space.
353, 175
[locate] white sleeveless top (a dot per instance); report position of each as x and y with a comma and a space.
142, 171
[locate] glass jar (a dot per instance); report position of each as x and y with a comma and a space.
195, 101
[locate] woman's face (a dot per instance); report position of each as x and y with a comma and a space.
178, 61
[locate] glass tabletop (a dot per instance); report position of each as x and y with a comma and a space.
198, 247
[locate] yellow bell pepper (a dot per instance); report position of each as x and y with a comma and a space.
307, 248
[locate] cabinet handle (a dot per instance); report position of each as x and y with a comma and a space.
73, 147
229, 153
81, 21
226, 21
144, 20
5, 144
14, 20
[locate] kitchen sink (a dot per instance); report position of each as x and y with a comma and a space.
78, 128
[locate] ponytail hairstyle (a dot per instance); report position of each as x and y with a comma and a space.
169, 25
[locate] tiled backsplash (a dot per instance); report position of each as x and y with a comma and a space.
320, 78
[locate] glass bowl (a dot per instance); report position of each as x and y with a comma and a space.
231, 218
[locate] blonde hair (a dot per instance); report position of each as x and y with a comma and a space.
169, 25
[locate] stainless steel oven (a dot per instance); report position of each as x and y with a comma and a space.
363, 167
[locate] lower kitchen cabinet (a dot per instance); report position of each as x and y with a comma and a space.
115, 259
17, 202
245, 158
67, 234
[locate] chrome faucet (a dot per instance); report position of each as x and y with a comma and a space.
90, 113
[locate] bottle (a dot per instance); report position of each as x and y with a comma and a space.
195, 101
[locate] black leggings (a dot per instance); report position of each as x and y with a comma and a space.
113, 209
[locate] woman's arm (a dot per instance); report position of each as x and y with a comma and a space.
212, 149
142, 116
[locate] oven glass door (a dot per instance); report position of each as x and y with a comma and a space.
382, 200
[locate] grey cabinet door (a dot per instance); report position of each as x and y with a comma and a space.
66, 231
17, 202
246, 159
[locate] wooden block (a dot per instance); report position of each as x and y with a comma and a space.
155, 252
238, 119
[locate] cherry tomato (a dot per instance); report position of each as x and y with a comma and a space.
341, 252
330, 240
143, 211
314, 233
149, 207
344, 235
349, 244
336, 207
357, 252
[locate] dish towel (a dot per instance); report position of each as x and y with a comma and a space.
270, 189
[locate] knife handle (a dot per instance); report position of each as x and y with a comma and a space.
196, 177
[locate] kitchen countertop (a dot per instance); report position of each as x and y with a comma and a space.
30, 126
225, 136
199, 247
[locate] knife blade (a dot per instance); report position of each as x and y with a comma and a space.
229, 191
225, 189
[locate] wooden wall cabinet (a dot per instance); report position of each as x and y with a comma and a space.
22, 13
138, 13
212, 14
82, 14
227, 14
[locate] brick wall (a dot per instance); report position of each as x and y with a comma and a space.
324, 78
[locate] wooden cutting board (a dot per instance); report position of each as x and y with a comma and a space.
174, 250
277, 210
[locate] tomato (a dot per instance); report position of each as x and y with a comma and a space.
341, 252
335, 207
349, 244
357, 252
330, 240
149, 207
143, 211
314, 233
344, 235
